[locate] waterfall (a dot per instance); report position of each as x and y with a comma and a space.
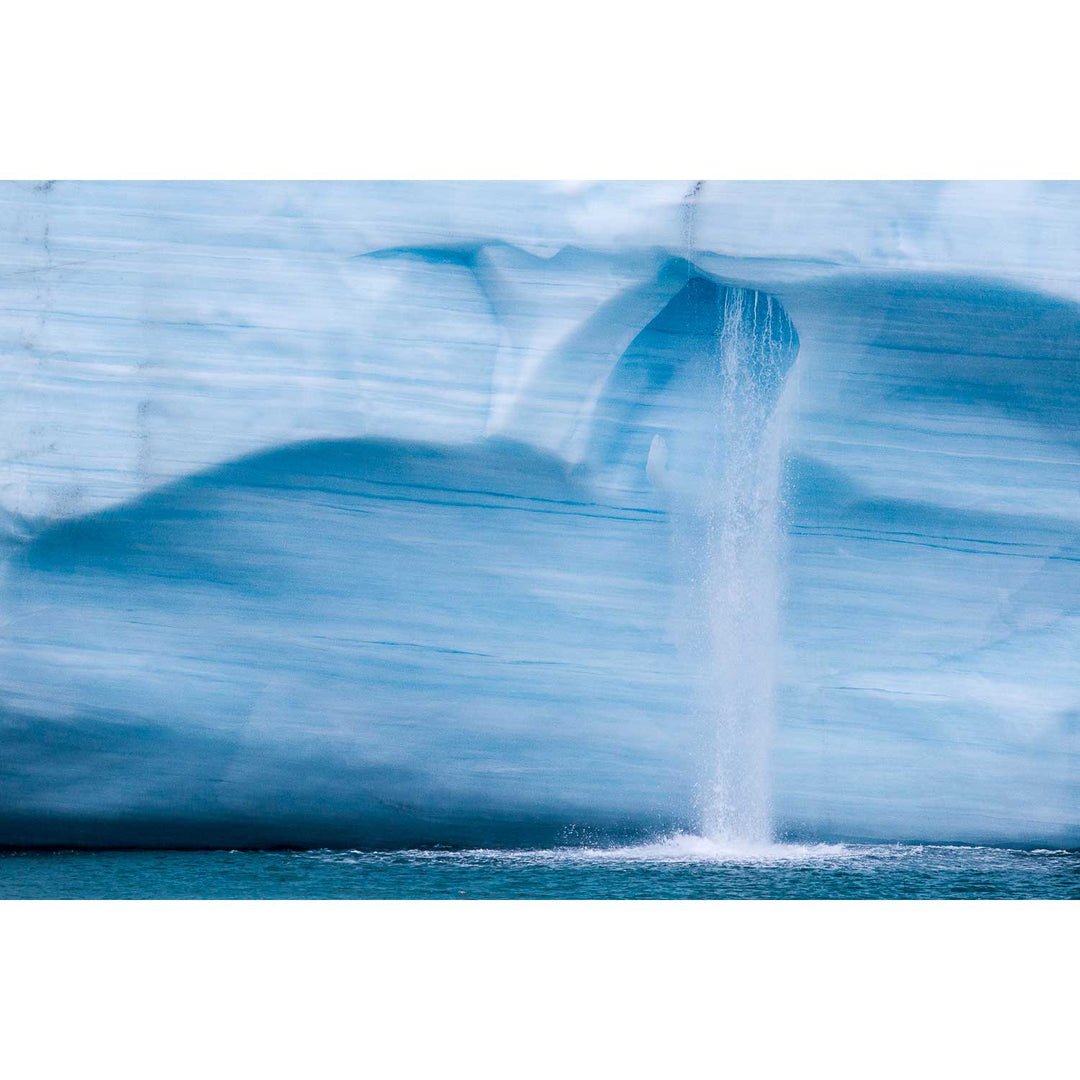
737, 565
730, 529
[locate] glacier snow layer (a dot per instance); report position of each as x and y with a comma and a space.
348, 513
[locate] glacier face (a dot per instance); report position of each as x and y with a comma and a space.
356, 513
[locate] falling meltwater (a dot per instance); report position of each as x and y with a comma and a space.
732, 536
739, 509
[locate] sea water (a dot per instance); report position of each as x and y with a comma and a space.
676, 867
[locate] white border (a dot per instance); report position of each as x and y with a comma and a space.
482, 89
538, 989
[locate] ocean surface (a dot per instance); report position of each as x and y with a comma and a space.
676, 868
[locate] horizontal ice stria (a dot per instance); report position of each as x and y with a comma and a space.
366, 514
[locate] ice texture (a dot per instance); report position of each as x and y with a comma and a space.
386, 514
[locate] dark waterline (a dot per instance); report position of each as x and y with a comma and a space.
680, 868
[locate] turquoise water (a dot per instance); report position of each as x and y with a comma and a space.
681, 867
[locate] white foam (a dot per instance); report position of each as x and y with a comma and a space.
682, 848
689, 848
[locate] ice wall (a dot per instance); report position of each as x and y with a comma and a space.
354, 513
